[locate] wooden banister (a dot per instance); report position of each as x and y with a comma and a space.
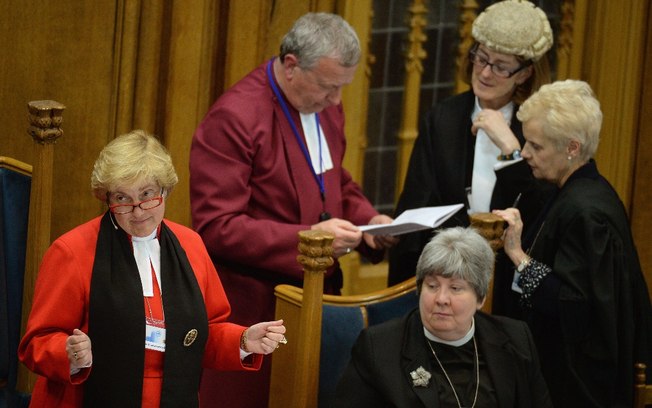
45, 119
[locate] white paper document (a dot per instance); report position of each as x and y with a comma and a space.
414, 220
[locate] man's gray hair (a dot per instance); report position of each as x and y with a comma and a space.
459, 253
317, 35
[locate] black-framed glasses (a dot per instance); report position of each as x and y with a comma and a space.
498, 70
143, 205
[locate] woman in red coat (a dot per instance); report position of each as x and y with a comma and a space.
128, 307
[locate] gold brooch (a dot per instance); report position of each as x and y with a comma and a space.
190, 337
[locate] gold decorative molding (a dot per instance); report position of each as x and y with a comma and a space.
468, 13
412, 88
570, 39
565, 36
355, 96
415, 53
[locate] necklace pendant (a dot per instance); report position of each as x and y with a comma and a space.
477, 373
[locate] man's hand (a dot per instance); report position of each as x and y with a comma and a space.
347, 235
380, 241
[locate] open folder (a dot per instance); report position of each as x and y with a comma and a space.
414, 220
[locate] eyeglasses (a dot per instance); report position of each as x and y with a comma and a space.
143, 205
498, 70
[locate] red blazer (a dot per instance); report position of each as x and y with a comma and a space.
60, 304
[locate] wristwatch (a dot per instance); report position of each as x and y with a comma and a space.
516, 154
524, 263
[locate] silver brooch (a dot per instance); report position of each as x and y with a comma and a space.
420, 377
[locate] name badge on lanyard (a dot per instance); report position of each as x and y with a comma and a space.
154, 338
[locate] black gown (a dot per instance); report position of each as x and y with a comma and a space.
591, 316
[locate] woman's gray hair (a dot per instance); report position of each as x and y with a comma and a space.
459, 253
566, 110
317, 35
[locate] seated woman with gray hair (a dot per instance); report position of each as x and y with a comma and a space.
581, 288
446, 353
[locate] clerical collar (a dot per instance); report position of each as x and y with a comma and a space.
147, 254
147, 238
455, 343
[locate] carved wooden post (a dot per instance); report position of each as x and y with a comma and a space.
491, 227
45, 118
316, 251
570, 41
413, 71
468, 13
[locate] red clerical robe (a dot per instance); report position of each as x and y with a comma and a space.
251, 192
60, 304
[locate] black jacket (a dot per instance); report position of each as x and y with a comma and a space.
384, 355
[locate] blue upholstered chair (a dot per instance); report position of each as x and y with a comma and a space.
342, 319
15, 182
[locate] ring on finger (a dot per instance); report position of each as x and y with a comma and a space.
75, 355
283, 341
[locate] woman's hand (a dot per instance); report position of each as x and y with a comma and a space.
78, 348
264, 337
512, 235
494, 125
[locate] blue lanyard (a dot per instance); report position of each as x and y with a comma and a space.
319, 178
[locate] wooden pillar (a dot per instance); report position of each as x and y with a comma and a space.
413, 71
468, 14
45, 118
315, 255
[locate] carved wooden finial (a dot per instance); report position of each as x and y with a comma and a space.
639, 376
490, 226
315, 250
45, 119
